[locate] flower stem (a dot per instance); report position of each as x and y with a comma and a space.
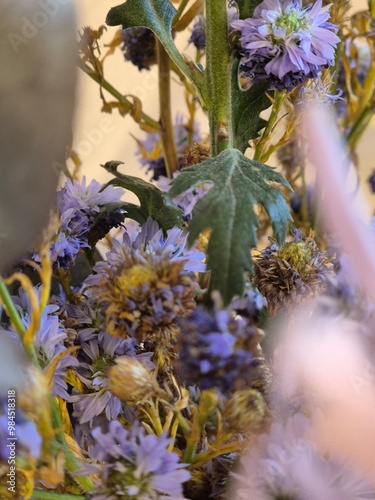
279, 97
11, 310
166, 124
180, 10
115, 93
189, 451
218, 76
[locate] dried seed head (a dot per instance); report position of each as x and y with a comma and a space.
130, 380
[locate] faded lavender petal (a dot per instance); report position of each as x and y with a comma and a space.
138, 465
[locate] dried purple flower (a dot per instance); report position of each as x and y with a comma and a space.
143, 291
212, 353
198, 34
285, 43
139, 47
292, 273
78, 205
137, 465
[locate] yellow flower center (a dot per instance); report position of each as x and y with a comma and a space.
297, 254
135, 277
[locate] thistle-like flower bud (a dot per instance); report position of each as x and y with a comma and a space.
292, 273
245, 410
198, 153
130, 380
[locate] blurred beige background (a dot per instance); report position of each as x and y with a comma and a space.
100, 137
116, 143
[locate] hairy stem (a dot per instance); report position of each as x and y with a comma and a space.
166, 124
218, 76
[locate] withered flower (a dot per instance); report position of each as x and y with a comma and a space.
144, 292
292, 273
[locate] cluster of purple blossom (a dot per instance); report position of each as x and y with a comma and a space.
285, 43
79, 205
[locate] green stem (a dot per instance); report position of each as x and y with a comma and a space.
11, 310
189, 451
183, 423
218, 76
166, 124
115, 93
153, 415
179, 12
277, 104
55, 496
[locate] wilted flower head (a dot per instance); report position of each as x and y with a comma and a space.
292, 273
137, 465
211, 354
285, 43
150, 240
142, 291
244, 410
139, 47
131, 381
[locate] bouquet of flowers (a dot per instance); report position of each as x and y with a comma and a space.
214, 340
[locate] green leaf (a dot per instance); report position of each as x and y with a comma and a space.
246, 7
156, 15
246, 107
228, 209
153, 202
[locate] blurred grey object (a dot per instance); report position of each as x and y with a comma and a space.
37, 89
